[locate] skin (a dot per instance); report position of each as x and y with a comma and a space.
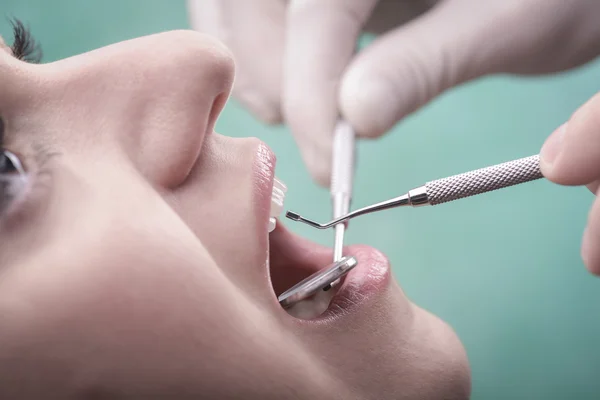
571, 156
136, 263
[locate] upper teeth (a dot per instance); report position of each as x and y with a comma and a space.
277, 198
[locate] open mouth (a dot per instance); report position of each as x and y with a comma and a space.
293, 258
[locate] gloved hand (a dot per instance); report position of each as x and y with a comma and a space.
297, 58
571, 156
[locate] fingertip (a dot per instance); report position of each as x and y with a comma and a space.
570, 155
321, 178
369, 103
319, 167
393, 77
590, 243
317, 159
266, 110
550, 152
589, 254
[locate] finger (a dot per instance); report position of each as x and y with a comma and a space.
254, 31
593, 187
454, 42
321, 39
571, 155
590, 245
403, 69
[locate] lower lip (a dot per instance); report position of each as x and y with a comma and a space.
370, 277
369, 280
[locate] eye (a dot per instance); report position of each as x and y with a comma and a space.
12, 178
9, 163
7, 166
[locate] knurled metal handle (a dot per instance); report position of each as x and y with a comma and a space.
484, 180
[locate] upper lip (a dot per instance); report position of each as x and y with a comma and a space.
264, 174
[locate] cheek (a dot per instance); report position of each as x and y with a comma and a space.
110, 306
102, 280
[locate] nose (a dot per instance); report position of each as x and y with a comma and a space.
157, 97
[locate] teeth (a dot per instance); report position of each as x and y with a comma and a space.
277, 198
312, 307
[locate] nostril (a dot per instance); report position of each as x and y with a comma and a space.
215, 111
187, 142
182, 174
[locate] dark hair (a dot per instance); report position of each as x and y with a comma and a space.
24, 46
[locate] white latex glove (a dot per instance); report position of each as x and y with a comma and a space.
296, 58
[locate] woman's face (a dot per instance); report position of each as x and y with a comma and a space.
135, 260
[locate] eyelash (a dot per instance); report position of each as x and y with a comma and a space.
27, 49
24, 46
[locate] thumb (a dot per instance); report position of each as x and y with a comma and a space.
455, 41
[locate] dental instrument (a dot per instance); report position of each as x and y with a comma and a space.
342, 179
309, 286
448, 189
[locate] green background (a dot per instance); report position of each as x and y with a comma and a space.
503, 269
